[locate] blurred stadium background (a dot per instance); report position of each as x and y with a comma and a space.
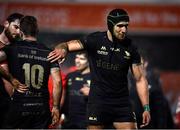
154, 28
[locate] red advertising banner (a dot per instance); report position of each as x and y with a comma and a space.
170, 84
86, 17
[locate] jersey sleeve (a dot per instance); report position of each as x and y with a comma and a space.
136, 58
5, 49
88, 42
55, 65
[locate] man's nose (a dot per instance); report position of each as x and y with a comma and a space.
124, 29
18, 31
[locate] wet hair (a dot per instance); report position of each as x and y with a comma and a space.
29, 26
14, 16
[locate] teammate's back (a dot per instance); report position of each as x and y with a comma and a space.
28, 63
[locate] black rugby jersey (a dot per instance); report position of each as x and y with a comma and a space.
76, 101
28, 63
109, 64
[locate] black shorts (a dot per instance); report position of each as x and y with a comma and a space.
19, 117
99, 114
4, 106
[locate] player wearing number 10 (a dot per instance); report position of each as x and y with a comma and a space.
28, 63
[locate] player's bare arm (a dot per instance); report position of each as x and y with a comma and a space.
8, 86
3, 72
15, 83
6, 75
62, 49
142, 90
141, 83
57, 90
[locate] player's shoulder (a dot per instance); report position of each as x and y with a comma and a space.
33, 45
10, 46
30, 43
19, 43
97, 34
73, 74
43, 46
129, 44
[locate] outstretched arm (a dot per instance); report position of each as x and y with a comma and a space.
61, 50
142, 89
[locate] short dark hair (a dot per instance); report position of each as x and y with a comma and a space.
12, 17
84, 52
29, 26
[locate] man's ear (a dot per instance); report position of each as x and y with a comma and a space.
6, 24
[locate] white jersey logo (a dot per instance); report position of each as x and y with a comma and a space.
103, 48
102, 51
92, 118
127, 53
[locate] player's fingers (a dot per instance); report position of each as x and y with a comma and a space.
51, 56
23, 87
51, 53
21, 91
60, 61
52, 115
54, 56
55, 59
141, 126
146, 120
54, 119
53, 122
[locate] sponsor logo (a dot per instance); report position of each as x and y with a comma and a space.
102, 52
79, 79
70, 82
103, 48
115, 50
134, 115
92, 118
127, 55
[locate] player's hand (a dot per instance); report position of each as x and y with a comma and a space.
57, 55
85, 89
55, 115
18, 86
146, 118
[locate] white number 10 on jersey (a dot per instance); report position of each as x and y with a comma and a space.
31, 77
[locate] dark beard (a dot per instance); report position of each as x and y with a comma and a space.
10, 37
